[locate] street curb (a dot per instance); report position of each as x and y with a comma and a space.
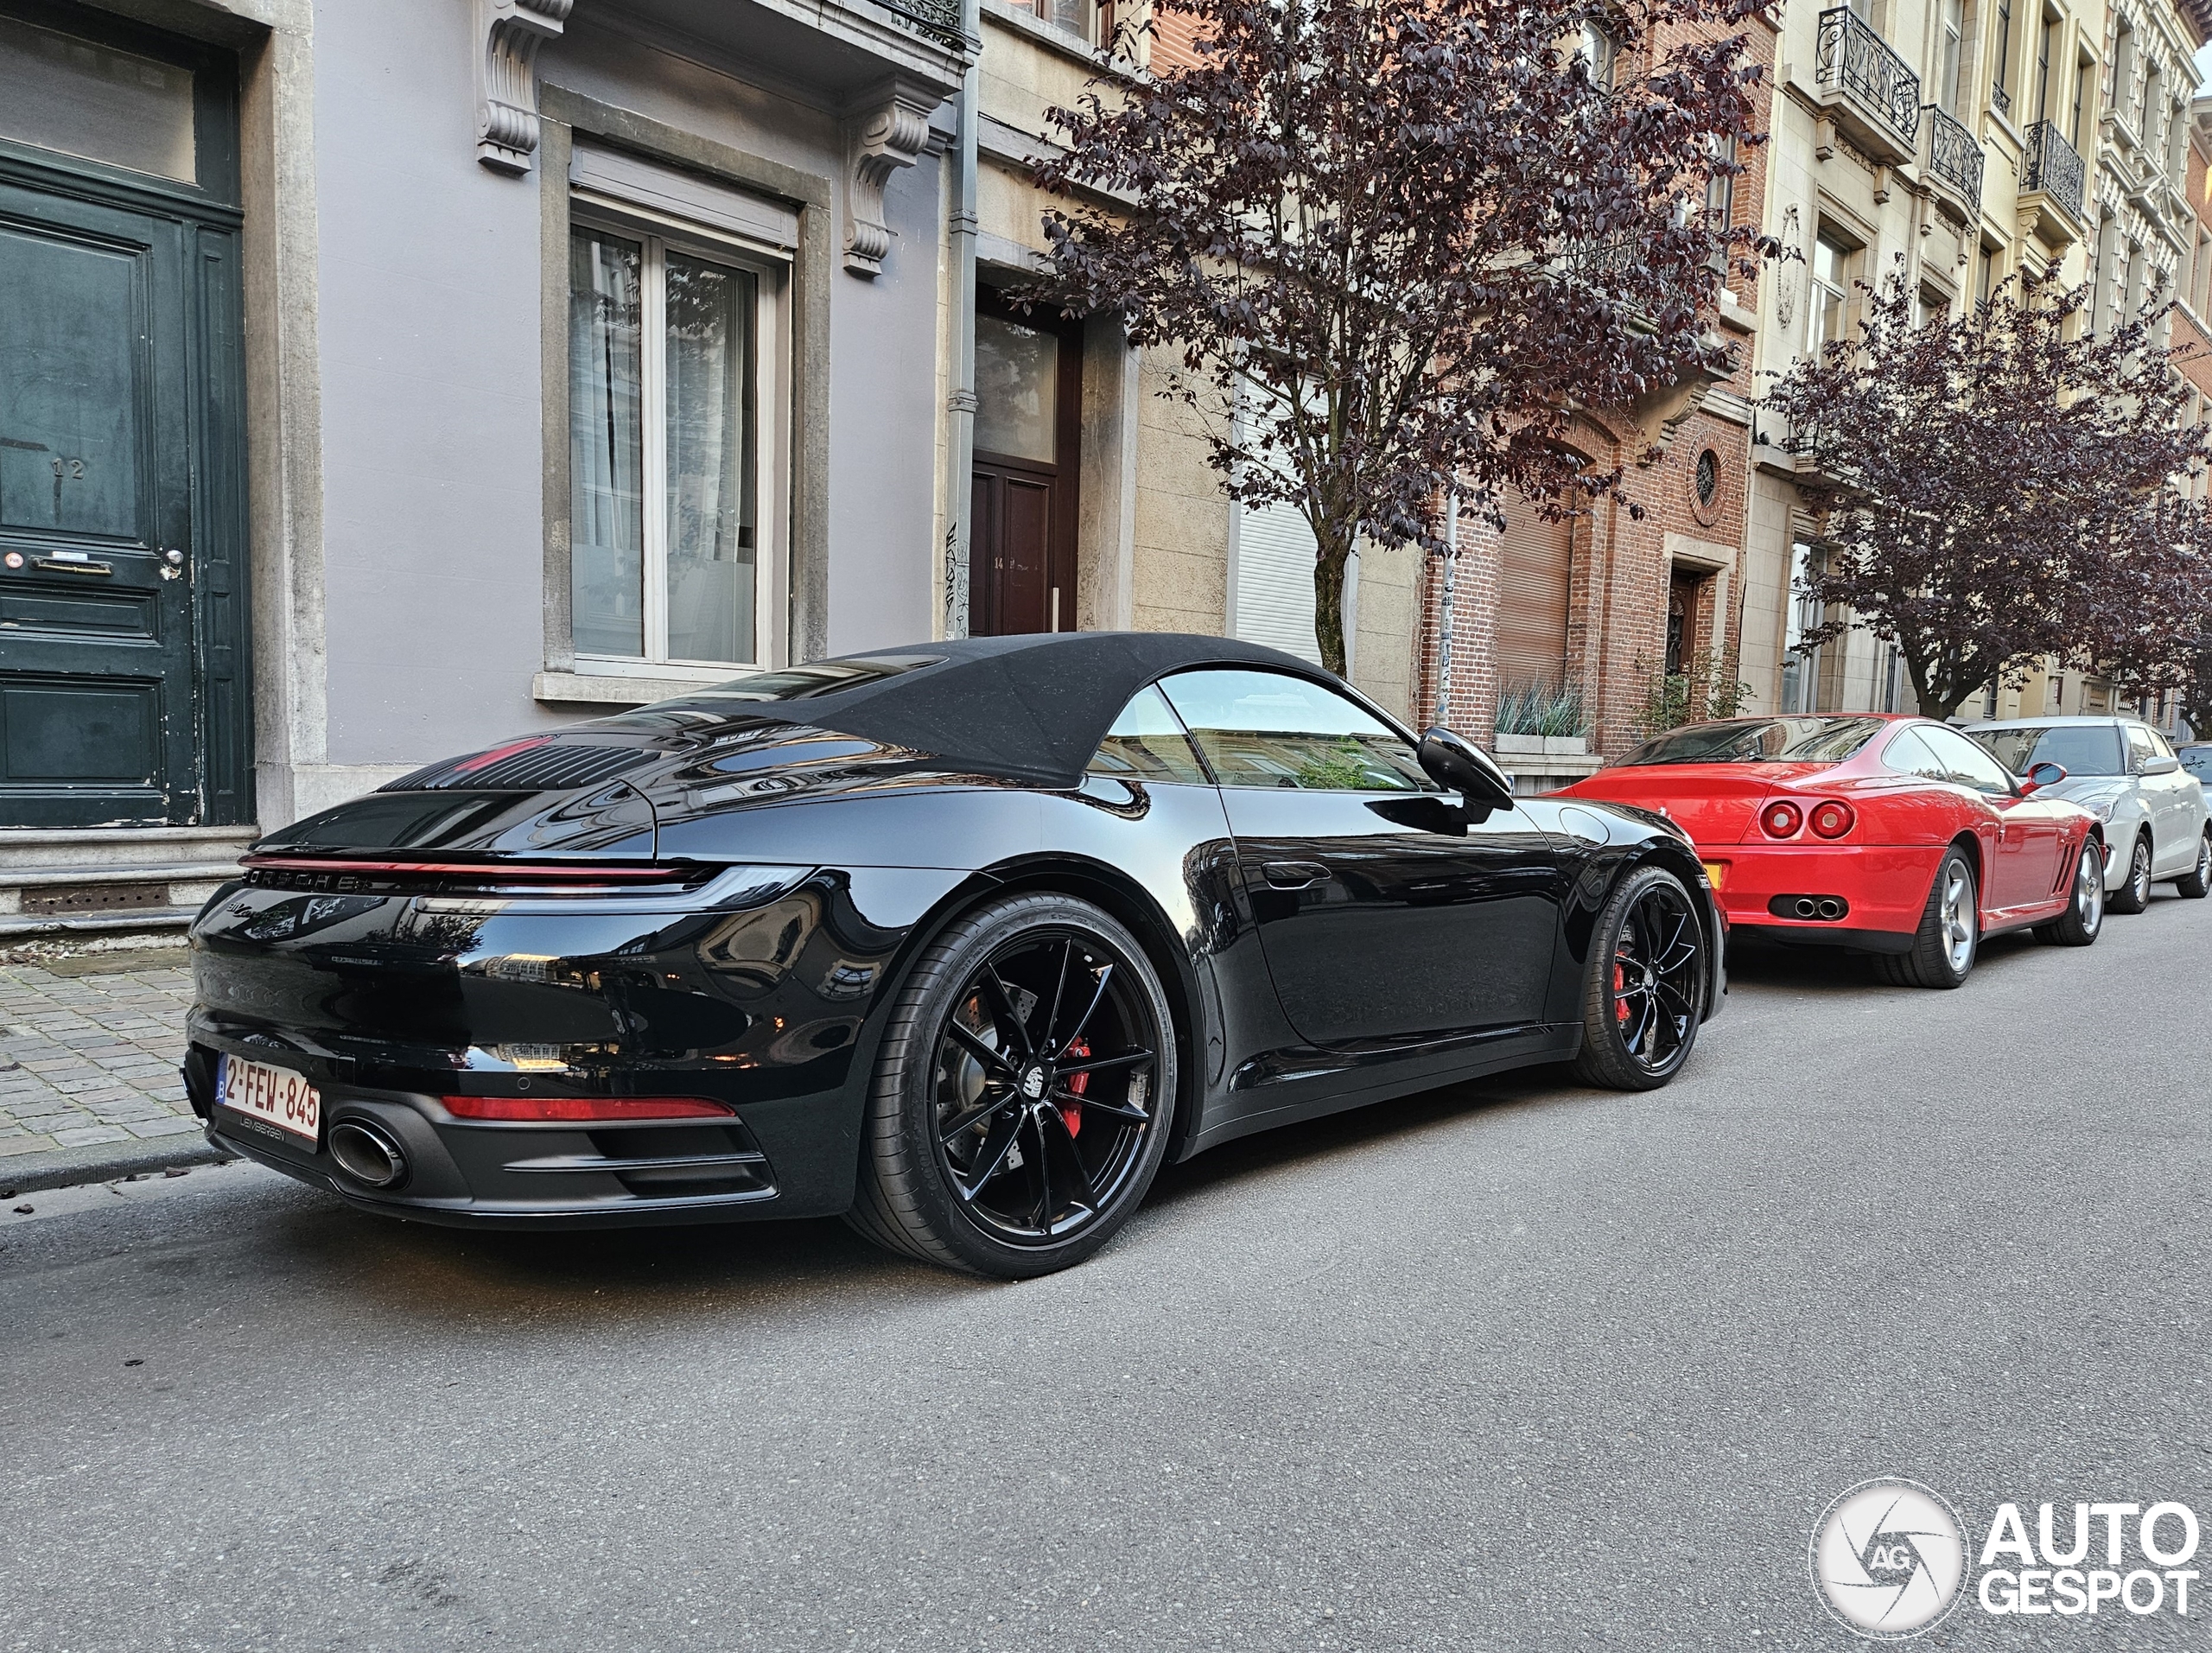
67, 1167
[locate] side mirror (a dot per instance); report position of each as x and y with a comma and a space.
1457, 764
2039, 776
2160, 765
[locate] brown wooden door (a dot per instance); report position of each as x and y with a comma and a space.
1029, 397
1535, 559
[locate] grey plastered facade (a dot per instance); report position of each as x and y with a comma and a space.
404, 191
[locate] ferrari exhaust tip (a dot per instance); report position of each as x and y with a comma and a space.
368, 1153
1807, 907
1830, 907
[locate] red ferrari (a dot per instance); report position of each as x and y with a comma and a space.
1896, 836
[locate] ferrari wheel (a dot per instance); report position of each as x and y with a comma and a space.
1020, 1102
1645, 992
2196, 882
2085, 916
2135, 894
1950, 930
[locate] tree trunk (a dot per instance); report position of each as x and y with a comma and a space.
1333, 554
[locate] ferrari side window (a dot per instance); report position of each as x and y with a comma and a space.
1268, 728
1969, 765
1148, 743
1908, 754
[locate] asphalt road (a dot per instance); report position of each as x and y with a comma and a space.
1517, 1365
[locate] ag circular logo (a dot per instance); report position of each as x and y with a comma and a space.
1888, 1558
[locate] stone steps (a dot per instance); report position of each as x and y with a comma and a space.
102, 886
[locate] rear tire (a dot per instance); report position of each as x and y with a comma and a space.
1024, 1093
1943, 947
2135, 894
2196, 882
2085, 913
1644, 987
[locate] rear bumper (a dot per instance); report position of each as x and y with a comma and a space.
782, 1157
1882, 888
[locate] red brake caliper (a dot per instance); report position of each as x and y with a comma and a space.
1620, 986
1072, 1111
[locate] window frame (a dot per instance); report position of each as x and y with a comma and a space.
1829, 295
656, 233
1797, 689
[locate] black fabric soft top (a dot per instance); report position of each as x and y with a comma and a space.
1031, 708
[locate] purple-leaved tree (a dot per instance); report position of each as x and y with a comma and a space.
2002, 488
1406, 244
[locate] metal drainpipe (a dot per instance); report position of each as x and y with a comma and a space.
1444, 637
960, 454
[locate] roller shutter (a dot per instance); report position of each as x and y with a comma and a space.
1534, 560
1273, 599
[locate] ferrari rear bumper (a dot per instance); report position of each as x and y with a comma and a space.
1875, 892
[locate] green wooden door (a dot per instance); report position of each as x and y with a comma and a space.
97, 702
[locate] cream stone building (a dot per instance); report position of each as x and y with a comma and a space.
1958, 141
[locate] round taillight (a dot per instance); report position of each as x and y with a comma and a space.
1780, 820
1832, 819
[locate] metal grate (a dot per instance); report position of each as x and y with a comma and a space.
54, 899
2053, 167
1954, 157
1850, 54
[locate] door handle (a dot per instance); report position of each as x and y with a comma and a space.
1294, 874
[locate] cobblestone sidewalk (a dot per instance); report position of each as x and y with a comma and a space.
91, 1058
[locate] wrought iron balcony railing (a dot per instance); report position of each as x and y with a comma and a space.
1955, 158
2053, 167
1851, 56
939, 19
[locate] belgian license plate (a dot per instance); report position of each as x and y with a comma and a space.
277, 1095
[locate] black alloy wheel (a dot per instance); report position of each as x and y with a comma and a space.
2135, 894
1020, 1105
1643, 994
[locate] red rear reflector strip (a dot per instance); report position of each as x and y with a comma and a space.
473, 869
563, 1109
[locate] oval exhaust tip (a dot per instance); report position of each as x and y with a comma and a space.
1830, 907
368, 1153
1807, 907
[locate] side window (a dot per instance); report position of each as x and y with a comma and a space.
1908, 754
1267, 728
1967, 763
2159, 745
1148, 743
2139, 749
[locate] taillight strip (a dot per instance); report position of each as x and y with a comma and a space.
473, 869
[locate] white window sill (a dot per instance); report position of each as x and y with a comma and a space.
603, 688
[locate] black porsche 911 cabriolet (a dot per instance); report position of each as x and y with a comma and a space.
961, 941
